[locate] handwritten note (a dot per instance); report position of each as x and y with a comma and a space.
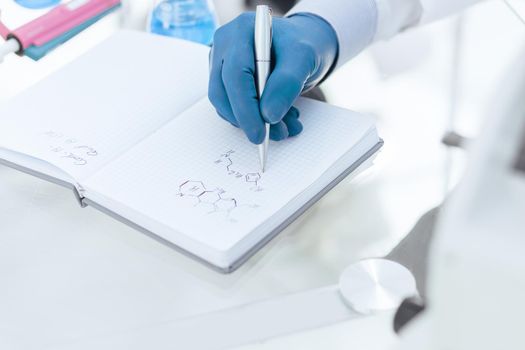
69, 148
253, 179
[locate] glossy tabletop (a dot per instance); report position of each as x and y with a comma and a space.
68, 274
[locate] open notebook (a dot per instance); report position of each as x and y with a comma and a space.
129, 128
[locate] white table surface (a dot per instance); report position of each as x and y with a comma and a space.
69, 274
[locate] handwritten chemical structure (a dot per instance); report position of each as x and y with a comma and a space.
213, 200
253, 178
70, 148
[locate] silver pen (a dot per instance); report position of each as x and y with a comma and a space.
263, 51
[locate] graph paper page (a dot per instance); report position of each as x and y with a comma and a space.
83, 116
200, 176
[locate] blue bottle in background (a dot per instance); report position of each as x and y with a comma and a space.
192, 20
37, 4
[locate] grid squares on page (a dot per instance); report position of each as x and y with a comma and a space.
185, 149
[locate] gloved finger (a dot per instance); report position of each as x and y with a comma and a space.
279, 132
294, 125
217, 92
239, 82
285, 84
234, 123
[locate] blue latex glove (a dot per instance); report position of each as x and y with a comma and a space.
304, 49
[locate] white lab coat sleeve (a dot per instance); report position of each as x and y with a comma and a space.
437, 9
358, 23
354, 21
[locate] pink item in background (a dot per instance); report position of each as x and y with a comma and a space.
59, 20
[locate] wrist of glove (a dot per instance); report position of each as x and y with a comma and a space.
304, 49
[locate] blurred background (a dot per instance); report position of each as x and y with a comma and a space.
418, 86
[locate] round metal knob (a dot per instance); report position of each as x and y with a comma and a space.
376, 285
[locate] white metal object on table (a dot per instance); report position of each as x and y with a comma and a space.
373, 285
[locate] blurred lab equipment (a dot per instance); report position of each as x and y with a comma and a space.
37, 4
373, 285
41, 35
192, 20
477, 267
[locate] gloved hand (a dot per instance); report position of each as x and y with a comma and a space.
303, 51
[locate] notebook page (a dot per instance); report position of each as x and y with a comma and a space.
86, 114
200, 176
